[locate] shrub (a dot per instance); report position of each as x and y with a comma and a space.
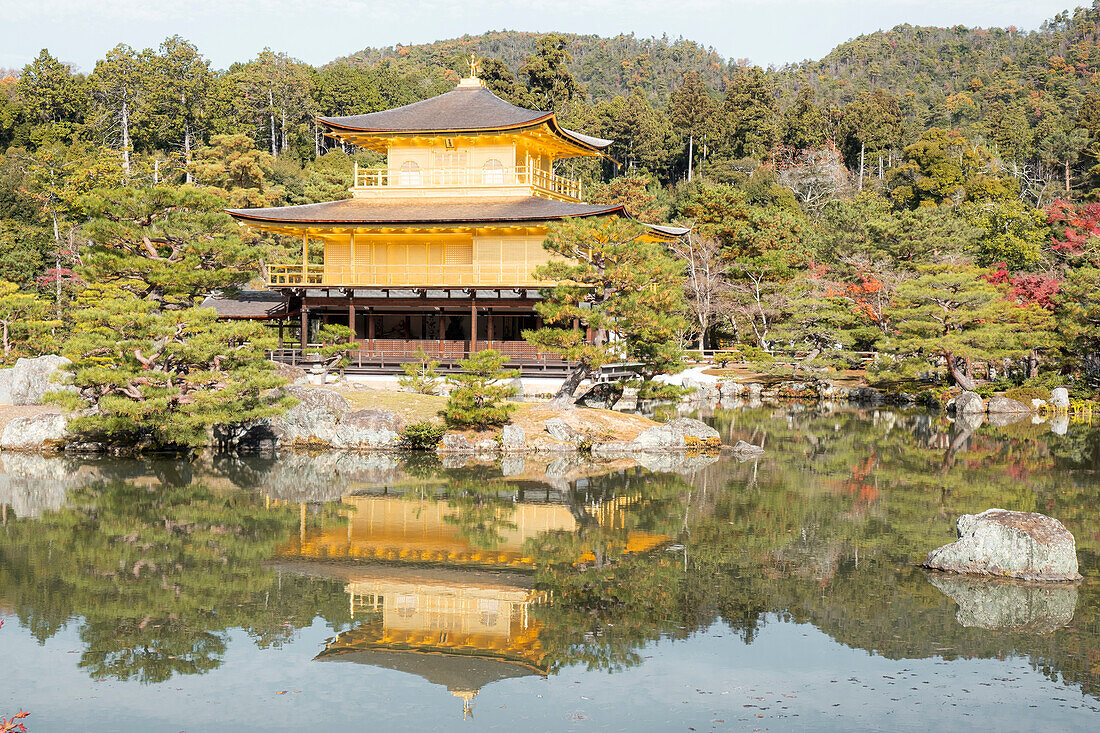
422, 435
422, 375
1027, 394
478, 397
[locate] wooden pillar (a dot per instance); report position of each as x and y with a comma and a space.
370, 328
576, 324
351, 320
441, 330
473, 327
489, 324
281, 323
305, 327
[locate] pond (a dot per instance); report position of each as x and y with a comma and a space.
351, 592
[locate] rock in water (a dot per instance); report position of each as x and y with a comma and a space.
313, 419
1008, 544
1059, 398
35, 433
683, 433
513, 439
969, 403
1008, 605
1007, 405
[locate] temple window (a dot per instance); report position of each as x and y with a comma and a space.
410, 174
492, 172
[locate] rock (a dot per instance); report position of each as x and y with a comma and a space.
613, 449
743, 451
513, 439
487, 446
969, 403
313, 420
683, 433
292, 374
1007, 605
6, 376
866, 396
1011, 544
455, 443
1000, 404
1059, 398
563, 431
32, 378
375, 420
754, 390
1038, 403
603, 395
35, 433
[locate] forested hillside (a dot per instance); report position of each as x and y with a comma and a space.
833, 202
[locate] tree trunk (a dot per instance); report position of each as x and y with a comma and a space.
274, 140
125, 140
1032, 365
187, 152
862, 146
7, 347
564, 397
691, 153
1067, 176
958, 374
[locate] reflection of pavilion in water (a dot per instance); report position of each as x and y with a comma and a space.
434, 600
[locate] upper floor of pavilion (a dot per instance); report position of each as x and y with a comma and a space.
466, 142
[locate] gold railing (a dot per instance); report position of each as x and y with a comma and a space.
541, 180
488, 275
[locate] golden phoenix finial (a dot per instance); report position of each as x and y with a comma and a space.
474, 64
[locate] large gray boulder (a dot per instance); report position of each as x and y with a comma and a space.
969, 403
368, 429
455, 443
513, 439
31, 379
44, 432
1059, 398
559, 429
679, 434
6, 376
1006, 405
1008, 605
313, 420
1009, 544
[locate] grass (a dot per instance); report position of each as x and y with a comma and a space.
413, 407
746, 373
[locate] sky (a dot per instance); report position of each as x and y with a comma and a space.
317, 31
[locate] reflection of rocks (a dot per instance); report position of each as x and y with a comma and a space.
33, 484
326, 476
1004, 605
1004, 419
969, 421
1002, 543
675, 462
743, 451
1059, 424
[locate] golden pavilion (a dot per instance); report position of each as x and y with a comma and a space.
437, 248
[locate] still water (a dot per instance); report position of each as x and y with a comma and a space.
342, 592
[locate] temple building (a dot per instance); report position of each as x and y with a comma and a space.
436, 249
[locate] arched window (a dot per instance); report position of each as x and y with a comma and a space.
410, 174
492, 173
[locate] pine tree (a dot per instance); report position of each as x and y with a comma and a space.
421, 376
154, 378
479, 393
627, 291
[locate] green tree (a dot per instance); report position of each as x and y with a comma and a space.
693, 114
162, 379
547, 72
120, 85
23, 321
954, 312
944, 167
421, 376
1078, 314
629, 292
803, 125
51, 95
179, 93
479, 392
751, 114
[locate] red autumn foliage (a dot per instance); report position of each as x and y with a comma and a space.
1026, 289
1073, 225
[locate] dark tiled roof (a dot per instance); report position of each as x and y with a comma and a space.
426, 211
465, 108
247, 304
